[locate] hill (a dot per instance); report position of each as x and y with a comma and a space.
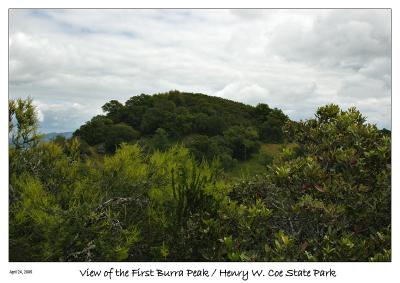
209, 126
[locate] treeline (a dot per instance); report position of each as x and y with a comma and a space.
327, 200
211, 127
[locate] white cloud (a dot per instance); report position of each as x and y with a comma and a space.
73, 61
40, 115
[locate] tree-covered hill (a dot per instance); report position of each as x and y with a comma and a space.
209, 126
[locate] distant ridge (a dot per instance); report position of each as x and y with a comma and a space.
52, 135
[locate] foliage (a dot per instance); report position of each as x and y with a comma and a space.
325, 197
333, 196
242, 141
22, 122
269, 123
102, 130
175, 116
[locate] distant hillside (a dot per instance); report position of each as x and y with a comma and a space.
210, 126
50, 136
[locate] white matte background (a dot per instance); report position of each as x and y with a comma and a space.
69, 272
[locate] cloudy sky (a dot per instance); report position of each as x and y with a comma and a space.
73, 61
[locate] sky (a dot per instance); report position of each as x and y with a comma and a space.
73, 61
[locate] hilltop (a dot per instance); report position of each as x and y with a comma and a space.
209, 126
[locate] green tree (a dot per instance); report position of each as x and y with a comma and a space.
113, 110
94, 131
117, 134
270, 123
243, 141
22, 123
261, 111
160, 140
341, 182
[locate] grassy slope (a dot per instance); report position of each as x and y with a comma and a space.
256, 164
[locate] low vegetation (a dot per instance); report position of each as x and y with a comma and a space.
188, 177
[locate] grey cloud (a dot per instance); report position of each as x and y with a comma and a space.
296, 60
358, 87
342, 38
59, 116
